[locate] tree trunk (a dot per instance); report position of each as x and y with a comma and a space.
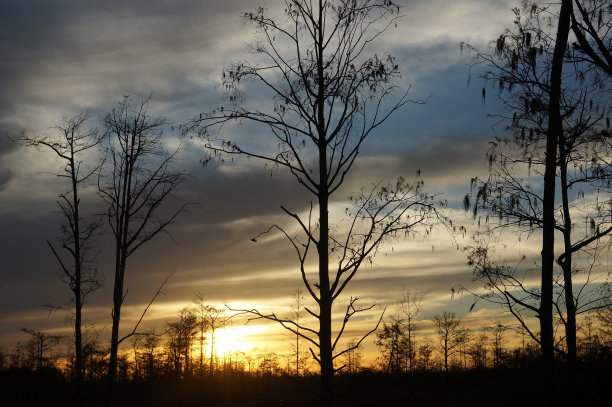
555, 127
212, 351
114, 348
325, 306
566, 265
78, 306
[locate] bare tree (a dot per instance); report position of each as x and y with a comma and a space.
140, 181
71, 143
201, 311
451, 334
297, 309
409, 307
215, 319
327, 97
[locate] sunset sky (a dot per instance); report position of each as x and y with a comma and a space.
65, 57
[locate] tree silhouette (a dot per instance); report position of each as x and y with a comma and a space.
451, 334
139, 182
71, 144
216, 319
556, 133
40, 343
327, 97
201, 312
394, 346
591, 24
409, 307
297, 309
181, 334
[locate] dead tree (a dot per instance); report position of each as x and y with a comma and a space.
72, 144
139, 182
327, 96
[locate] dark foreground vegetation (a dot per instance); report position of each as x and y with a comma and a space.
486, 387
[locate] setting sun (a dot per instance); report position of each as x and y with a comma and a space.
234, 339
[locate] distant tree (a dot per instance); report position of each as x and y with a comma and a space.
139, 182
201, 312
180, 343
146, 354
604, 317
95, 361
216, 319
425, 351
4, 356
409, 307
327, 97
72, 144
267, 363
39, 344
478, 351
393, 344
451, 334
297, 309
497, 344
352, 359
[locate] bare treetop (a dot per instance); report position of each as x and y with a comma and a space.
328, 93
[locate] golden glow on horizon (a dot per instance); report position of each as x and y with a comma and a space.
233, 339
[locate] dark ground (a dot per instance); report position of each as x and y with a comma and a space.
593, 387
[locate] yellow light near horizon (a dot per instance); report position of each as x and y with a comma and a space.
235, 339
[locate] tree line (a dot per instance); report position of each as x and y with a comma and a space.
184, 348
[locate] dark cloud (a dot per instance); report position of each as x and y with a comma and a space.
5, 177
76, 54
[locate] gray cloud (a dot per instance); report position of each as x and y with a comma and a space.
5, 177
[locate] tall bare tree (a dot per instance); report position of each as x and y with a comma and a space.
71, 143
328, 95
139, 182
